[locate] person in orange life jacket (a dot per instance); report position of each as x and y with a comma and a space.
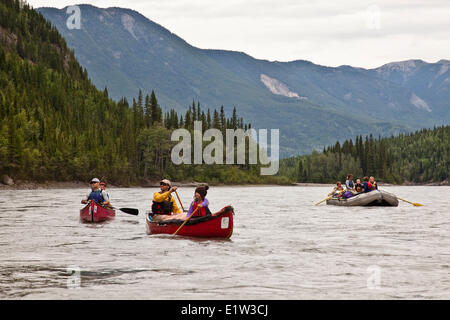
373, 183
163, 202
96, 194
200, 202
367, 186
338, 190
359, 187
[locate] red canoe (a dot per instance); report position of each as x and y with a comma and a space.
94, 212
218, 225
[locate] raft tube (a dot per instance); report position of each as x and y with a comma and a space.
373, 198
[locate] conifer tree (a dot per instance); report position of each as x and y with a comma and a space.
216, 120
223, 120
208, 119
147, 112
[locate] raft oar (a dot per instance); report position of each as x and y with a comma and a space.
323, 200
328, 198
415, 204
185, 221
181, 204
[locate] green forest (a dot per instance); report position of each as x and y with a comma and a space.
420, 157
56, 126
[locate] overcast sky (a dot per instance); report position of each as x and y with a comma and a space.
350, 32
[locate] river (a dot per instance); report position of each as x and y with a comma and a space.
282, 247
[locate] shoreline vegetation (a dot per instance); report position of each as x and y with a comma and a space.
30, 185
417, 158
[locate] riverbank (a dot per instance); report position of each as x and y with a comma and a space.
30, 185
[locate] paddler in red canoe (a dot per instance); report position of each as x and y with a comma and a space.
201, 202
163, 201
98, 195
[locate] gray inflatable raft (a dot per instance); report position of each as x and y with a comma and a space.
373, 198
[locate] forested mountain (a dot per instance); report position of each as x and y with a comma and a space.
312, 105
56, 125
421, 157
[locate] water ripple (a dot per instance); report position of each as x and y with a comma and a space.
282, 247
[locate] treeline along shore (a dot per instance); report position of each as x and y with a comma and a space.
57, 128
418, 158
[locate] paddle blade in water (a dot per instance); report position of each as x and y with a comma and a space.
130, 211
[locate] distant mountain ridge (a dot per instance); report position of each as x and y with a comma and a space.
430, 83
312, 105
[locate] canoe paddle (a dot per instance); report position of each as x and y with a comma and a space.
132, 211
181, 204
185, 221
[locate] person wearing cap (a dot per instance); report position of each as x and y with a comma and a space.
163, 202
200, 202
96, 194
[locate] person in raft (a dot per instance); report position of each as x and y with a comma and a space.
359, 187
96, 194
367, 186
373, 183
349, 182
200, 202
338, 190
163, 202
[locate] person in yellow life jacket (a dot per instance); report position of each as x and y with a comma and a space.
163, 201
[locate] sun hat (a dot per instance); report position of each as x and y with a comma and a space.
166, 182
95, 180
